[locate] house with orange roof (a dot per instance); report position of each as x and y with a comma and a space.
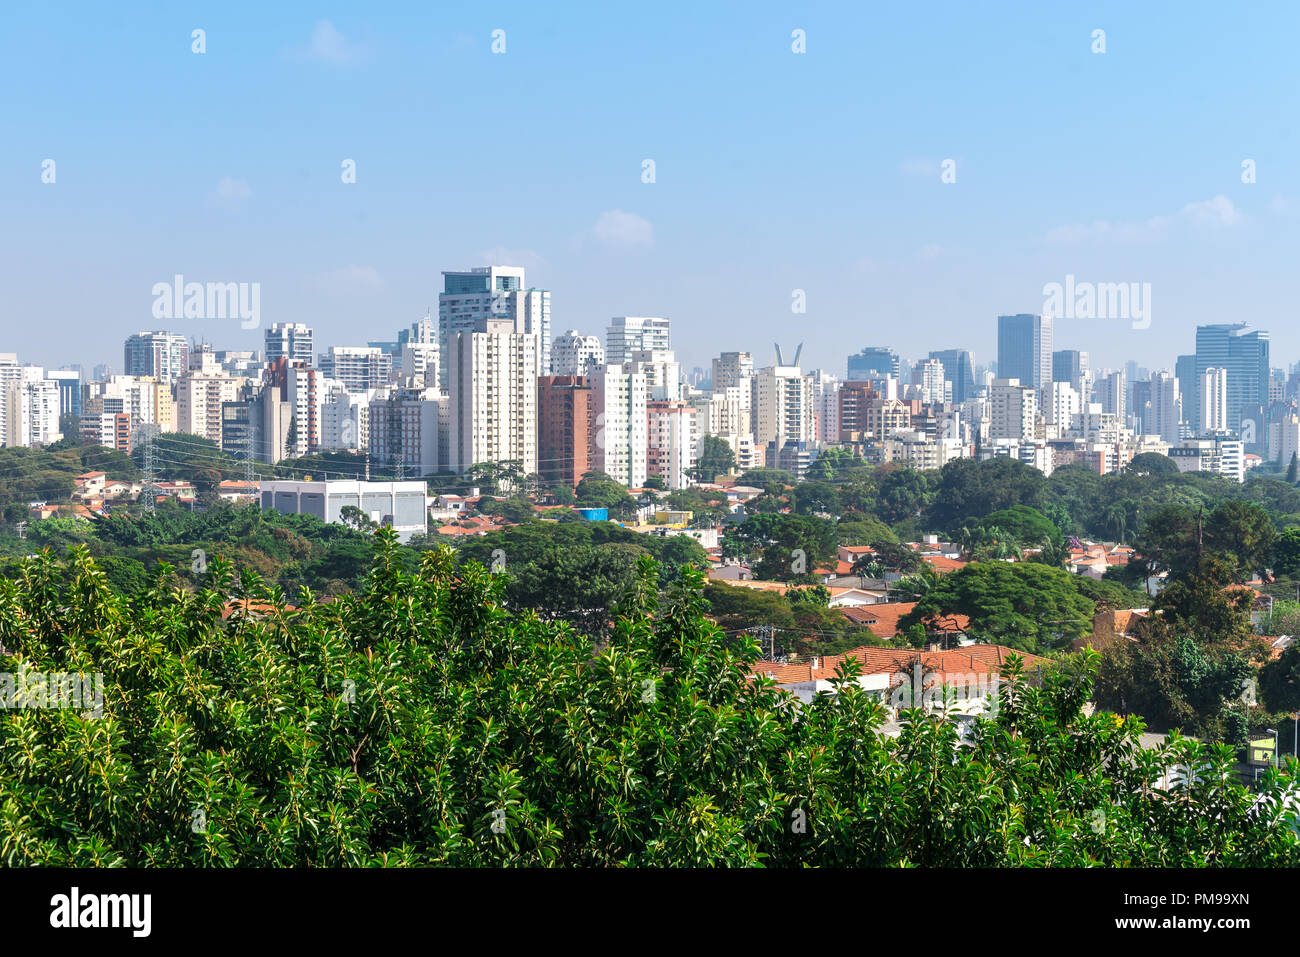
943, 564
902, 678
1110, 625
89, 483
882, 620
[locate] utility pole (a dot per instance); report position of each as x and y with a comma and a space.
248, 452
145, 433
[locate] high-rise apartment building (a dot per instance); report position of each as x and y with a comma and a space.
783, 406
161, 355
31, 406
662, 370
628, 335
565, 428
290, 340
1112, 395
935, 386
1013, 407
1214, 401
198, 403
472, 297
358, 367
731, 368
1166, 407
826, 407
402, 431
492, 390
854, 399
670, 441
620, 399
574, 354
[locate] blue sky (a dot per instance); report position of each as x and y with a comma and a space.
775, 171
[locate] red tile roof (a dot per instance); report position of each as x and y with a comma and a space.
882, 618
952, 666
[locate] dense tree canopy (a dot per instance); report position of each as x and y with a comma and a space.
422, 722
1023, 605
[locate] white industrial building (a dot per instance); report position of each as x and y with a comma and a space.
401, 505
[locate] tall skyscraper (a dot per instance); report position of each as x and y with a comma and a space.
1244, 355
1025, 349
163, 355
1071, 365
959, 369
627, 335
69, 382
290, 340
873, 362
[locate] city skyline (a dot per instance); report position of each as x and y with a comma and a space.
762, 194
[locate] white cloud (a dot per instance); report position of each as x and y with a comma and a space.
230, 193
623, 229
1218, 212
350, 280
328, 45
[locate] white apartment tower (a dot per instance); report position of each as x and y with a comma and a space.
627, 335
620, 402
162, 355
1012, 410
358, 367
492, 391
198, 403
1214, 400
671, 442
576, 354
31, 406
1166, 406
730, 368
783, 406
290, 340
472, 297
